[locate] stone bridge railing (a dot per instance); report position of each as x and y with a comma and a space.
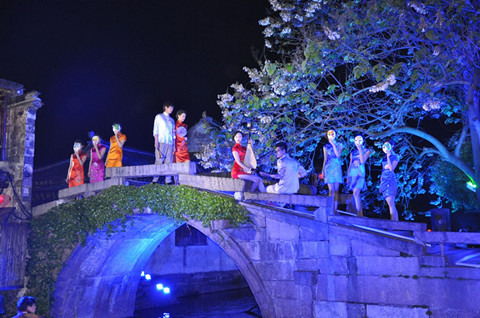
186, 173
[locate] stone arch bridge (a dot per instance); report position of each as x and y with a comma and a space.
296, 263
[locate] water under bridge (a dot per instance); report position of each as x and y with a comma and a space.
297, 263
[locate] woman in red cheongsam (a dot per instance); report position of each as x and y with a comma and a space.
76, 175
181, 149
240, 170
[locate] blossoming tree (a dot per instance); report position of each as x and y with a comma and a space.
406, 71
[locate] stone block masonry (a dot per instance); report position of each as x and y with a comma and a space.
16, 159
301, 264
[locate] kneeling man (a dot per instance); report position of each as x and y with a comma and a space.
289, 171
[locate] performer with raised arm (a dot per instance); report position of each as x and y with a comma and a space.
76, 174
388, 180
117, 141
356, 171
332, 166
181, 149
240, 170
96, 167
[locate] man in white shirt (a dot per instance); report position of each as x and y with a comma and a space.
289, 171
164, 134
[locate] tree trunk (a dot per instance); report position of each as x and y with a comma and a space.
473, 100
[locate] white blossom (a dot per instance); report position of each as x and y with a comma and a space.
380, 87
433, 104
266, 120
311, 8
420, 8
275, 5
268, 44
285, 15
226, 113
391, 80
298, 17
253, 74
332, 35
238, 87
436, 51
286, 31
224, 99
264, 22
268, 32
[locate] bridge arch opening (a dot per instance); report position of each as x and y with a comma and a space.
101, 279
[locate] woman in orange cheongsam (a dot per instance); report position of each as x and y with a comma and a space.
181, 149
76, 175
115, 154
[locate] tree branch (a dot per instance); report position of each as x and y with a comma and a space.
460, 141
442, 150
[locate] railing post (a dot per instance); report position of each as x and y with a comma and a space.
325, 210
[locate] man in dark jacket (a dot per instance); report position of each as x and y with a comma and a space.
26, 308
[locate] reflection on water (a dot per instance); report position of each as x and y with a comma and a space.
232, 304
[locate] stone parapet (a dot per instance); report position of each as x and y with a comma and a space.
168, 169
379, 223
44, 208
213, 183
295, 199
407, 247
89, 189
448, 237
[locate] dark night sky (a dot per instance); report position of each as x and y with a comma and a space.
98, 62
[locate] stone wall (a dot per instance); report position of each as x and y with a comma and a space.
171, 259
329, 269
296, 264
20, 146
187, 270
18, 163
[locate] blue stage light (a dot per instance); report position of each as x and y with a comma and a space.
148, 277
159, 286
166, 290
142, 274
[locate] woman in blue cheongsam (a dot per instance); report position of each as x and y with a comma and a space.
332, 166
356, 172
388, 180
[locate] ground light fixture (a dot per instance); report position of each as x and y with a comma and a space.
165, 289
472, 186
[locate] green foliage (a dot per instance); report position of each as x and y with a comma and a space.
379, 67
449, 184
57, 233
10, 299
